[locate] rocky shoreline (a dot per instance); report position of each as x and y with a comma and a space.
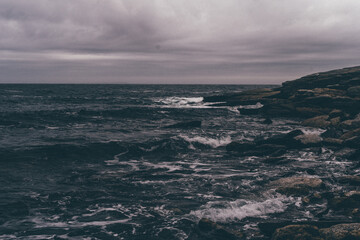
330, 101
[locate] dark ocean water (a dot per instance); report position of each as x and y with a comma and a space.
96, 162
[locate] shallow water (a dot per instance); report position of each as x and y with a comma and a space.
96, 162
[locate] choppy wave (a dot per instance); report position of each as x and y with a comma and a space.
240, 209
212, 142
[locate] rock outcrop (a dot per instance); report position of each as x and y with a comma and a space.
310, 96
330, 101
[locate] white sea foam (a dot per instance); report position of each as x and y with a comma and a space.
213, 142
240, 209
180, 101
167, 165
255, 106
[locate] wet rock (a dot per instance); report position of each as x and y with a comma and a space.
191, 124
297, 185
349, 231
332, 133
351, 180
332, 142
240, 147
244, 98
287, 139
207, 229
309, 139
353, 91
351, 124
280, 109
353, 142
309, 112
267, 121
349, 200
335, 121
350, 134
312, 198
297, 232
319, 121
336, 113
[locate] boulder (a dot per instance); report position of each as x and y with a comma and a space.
309, 139
336, 113
297, 232
309, 112
332, 142
319, 121
351, 180
349, 231
297, 185
207, 229
351, 124
350, 134
335, 121
353, 91
332, 133
348, 200
353, 142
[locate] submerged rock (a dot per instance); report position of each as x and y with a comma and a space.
319, 121
352, 180
348, 200
297, 232
297, 185
209, 230
350, 231
346, 231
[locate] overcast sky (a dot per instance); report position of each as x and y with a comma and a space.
175, 41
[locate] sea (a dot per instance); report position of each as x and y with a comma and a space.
101, 162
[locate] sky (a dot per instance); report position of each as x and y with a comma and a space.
175, 41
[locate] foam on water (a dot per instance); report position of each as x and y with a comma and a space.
255, 106
240, 209
180, 101
212, 142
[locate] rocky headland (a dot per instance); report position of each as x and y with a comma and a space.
330, 101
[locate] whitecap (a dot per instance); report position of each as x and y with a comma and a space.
212, 142
240, 209
255, 106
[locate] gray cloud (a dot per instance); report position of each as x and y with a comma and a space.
178, 41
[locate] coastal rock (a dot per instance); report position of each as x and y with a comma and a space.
350, 134
337, 113
351, 124
332, 133
297, 232
353, 142
297, 185
342, 232
332, 142
309, 139
352, 180
319, 121
249, 97
207, 229
348, 200
353, 91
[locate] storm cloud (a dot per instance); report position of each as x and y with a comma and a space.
177, 41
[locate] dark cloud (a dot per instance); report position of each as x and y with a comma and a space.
161, 41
